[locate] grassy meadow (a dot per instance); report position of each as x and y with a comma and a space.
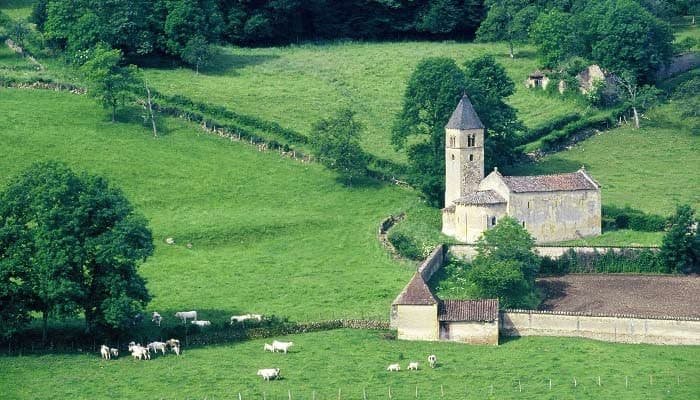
320, 364
299, 84
269, 234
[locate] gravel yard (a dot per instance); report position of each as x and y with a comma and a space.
657, 296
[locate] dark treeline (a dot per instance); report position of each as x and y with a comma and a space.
141, 27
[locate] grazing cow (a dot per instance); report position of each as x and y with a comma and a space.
185, 315
104, 351
174, 345
201, 323
245, 317
169, 240
432, 360
269, 373
156, 318
114, 352
393, 367
413, 366
282, 346
268, 347
155, 346
138, 351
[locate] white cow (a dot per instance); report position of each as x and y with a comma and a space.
393, 367
174, 345
114, 352
432, 360
268, 347
269, 373
413, 366
156, 346
282, 346
138, 351
201, 323
104, 351
156, 318
185, 315
245, 317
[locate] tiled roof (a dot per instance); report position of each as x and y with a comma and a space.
449, 209
464, 116
481, 197
550, 183
536, 74
468, 310
416, 293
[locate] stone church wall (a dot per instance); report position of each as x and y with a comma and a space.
557, 216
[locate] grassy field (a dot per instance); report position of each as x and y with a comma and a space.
652, 169
17, 9
296, 85
351, 361
269, 234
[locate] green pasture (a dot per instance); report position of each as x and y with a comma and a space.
296, 85
17, 9
322, 364
652, 169
269, 234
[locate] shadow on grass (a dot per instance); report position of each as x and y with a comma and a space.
225, 63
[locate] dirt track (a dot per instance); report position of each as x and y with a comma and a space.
659, 296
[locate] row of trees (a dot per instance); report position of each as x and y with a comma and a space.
69, 244
139, 27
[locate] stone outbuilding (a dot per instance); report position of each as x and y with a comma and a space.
469, 321
551, 207
417, 314
537, 79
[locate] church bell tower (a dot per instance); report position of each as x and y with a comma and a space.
464, 152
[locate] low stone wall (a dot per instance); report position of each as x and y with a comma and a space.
433, 262
467, 251
610, 328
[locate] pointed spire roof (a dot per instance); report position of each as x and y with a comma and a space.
464, 116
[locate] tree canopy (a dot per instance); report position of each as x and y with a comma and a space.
505, 265
432, 93
336, 141
70, 243
680, 249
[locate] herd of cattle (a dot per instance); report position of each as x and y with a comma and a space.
144, 353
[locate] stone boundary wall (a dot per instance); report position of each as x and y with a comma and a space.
433, 262
468, 251
609, 328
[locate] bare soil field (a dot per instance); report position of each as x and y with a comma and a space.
654, 296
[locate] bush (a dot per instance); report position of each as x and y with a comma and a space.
630, 218
610, 261
561, 136
405, 245
548, 127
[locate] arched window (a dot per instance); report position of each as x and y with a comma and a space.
453, 156
471, 157
523, 224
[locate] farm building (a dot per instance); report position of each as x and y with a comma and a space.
418, 315
537, 79
551, 207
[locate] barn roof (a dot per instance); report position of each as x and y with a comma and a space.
464, 116
481, 197
468, 310
416, 293
578, 180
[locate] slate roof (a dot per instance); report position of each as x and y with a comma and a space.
481, 197
551, 183
416, 293
464, 116
468, 310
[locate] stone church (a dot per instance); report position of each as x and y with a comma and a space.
551, 207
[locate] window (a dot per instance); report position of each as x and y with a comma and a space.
493, 221
523, 224
528, 204
453, 156
471, 157
452, 141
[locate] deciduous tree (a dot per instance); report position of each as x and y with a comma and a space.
71, 243
507, 20
108, 80
680, 249
336, 141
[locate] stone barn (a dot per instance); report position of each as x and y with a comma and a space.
537, 79
417, 314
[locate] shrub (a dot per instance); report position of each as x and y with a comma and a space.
630, 218
610, 261
548, 127
405, 245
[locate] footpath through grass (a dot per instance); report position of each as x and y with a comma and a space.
269, 235
323, 363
